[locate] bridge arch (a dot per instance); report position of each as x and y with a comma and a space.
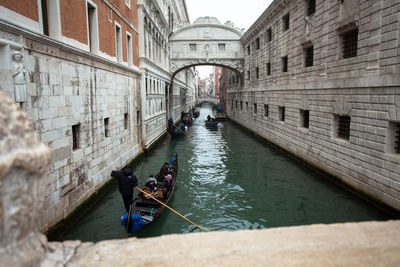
206, 42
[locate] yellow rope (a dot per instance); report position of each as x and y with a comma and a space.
198, 226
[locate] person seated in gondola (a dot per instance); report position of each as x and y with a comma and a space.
170, 125
166, 172
183, 128
209, 118
151, 189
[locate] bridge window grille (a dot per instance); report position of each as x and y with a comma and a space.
269, 35
76, 136
285, 22
192, 47
258, 43
282, 113
268, 68
266, 110
311, 7
221, 47
285, 64
126, 121
349, 43
107, 127
305, 118
309, 56
397, 138
257, 72
255, 108
343, 130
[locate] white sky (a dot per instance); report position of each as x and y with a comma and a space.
242, 13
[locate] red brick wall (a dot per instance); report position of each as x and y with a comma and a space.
27, 8
73, 19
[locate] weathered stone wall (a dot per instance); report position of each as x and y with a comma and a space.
365, 87
73, 98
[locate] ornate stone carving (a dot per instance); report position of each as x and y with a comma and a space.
23, 162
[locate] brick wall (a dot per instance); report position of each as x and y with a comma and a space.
28, 8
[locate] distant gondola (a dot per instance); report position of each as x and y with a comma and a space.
145, 211
211, 124
196, 114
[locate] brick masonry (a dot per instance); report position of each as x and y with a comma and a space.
365, 87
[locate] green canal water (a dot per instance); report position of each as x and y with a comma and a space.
228, 180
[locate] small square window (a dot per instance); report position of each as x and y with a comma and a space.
257, 72
221, 47
349, 43
285, 22
269, 35
285, 64
268, 68
310, 7
304, 118
266, 110
255, 108
258, 43
281, 113
309, 56
192, 47
106, 127
76, 136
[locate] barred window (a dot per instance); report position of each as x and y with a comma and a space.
126, 119
310, 7
257, 72
192, 47
248, 49
349, 42
282, 113
285, 64
268, 68
285, 22
269, 35
397, 139
255, 108
309, 56
344, 127
258, 43
266, 110
304, 118
241, 105
248, 75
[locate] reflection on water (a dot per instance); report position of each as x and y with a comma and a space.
229, 181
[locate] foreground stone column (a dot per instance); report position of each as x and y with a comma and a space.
23, 162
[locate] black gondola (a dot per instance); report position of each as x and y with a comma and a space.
176, 133
196, 114
211, 124
145, 211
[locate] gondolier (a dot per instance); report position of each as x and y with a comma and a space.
127, 181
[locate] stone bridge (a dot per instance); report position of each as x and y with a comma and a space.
206, 42
210, 100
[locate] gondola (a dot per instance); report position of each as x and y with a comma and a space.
145, 211
196, 114
211, 124
176, 133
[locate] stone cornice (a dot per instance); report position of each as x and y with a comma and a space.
267, 16
43, 39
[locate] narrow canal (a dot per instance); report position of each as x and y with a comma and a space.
229, 181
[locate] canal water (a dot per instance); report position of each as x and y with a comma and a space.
228, 180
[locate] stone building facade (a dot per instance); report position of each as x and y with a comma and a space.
162, 100
322, 81
74, 69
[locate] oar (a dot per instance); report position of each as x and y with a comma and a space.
198, 226
182, 131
